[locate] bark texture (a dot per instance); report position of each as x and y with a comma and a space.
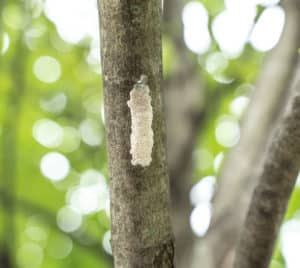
273, 191
131, 47
237, 182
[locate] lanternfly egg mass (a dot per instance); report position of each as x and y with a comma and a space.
141, 138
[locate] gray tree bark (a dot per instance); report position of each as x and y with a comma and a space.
237, 182
273, 191
130, 47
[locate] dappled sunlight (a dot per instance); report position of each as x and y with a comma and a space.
74, 19
203, 190
90, 195
262, 38
13, 16
5, 40
30, 255
33, 34
71, 140
227, 131
298, 181
216, 63
47, 69
239, 105
195, 21
36, 234
52, 135
54, 104
68, 219
48, 133
200, 218
233, 3
59, 246
200, 197
54, 170
93, 57
102, 114
91, 133
55, 166
218, 161
290, 240
93, 104
232, 27
106, 242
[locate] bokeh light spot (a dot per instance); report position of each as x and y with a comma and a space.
106, 242
5, 43
91, 133
68, 219
13, 16
290, 240
55, 166
239, 105
262, 38
30, 255
71, 140
36, 233
203, 190
218, 161
74, 19
91, 195
195, 21
200, 218
48, 133
216, 63
47, 69
59, 246
227, 132
55, 104
231, 28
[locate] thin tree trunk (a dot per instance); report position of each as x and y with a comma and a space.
273, 191
257, 127
131, 47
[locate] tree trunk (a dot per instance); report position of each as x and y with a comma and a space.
131, 47
265, 109
273, 191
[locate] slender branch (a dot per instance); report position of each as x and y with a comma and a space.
273, 191
130, 47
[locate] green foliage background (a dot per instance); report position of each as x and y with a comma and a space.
34, 199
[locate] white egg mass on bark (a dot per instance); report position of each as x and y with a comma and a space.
141, 138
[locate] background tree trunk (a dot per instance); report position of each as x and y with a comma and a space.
130, 47
236, 182
273, 191
184, 94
